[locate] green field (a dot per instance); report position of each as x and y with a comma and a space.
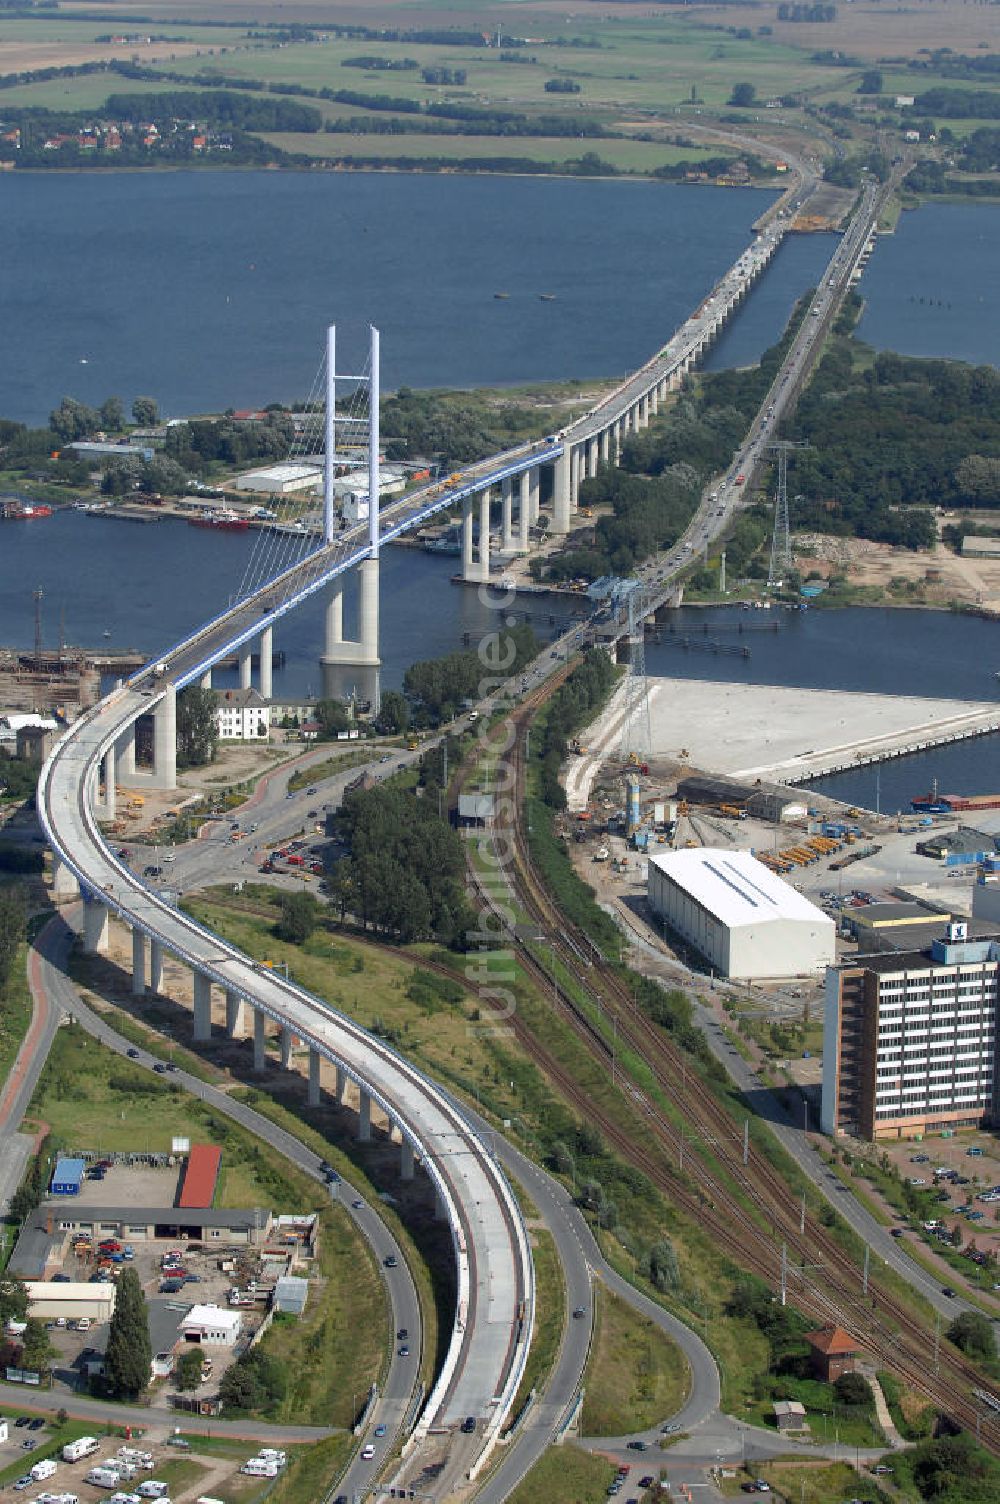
635, 1376
625, 155
566, 1475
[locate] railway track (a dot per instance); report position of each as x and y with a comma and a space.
748, 1207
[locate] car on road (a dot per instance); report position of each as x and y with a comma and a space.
402, 1334
132, 1054
947, 1290
367, 1453
578, 1311
637, 1446
152, 871
469, 1425
357, 1205
404, 1352
381, 1429
390, 1261
160, 1068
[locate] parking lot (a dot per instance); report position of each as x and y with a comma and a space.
161, 1457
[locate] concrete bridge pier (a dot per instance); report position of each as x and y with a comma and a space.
95, 927
654, 401
164, 771
108, 770
507, 505
340, 1085
561, 494
259, 1040
155, 965
534, 495
246, 666
524, 512
365, 1118
266, 662
125, 756
406, 1160
202, 1008
138, 963
64, 884
363, 653
234, 1014
287, 1038
575, 475
467, 559
593, 457
205, 682
312, 1091
485, 498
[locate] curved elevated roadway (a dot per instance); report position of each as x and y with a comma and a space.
495, 1281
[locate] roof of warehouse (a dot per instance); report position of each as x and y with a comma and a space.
42, 1290
200, 1176
735, 887
68, 1169
80, 1214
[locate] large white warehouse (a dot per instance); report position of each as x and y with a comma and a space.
742, 917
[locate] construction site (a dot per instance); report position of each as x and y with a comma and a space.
62, 680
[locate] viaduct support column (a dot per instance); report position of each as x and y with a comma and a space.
64, 884
507, 499
340, 1085
334, 617
406, 1160
561, 494
369, 572
467, 565
312, 1092
524, 512
234, 1014
592, 457
155, 965
286, 1047
138, 963
202, 1008
108, 766
534, 495
654, 400
259, 1040
606, 447
266, 664
365, 1118
484, 535
205, 682
125, 755
95, 927
165, 741
246, 666
575, 466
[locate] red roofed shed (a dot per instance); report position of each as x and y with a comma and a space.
833, 1352
201, 1175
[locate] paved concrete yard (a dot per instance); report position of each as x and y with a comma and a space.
766, 731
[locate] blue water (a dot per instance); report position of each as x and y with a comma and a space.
212, 290
799, 263
932, 287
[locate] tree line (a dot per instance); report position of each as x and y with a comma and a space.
437, 688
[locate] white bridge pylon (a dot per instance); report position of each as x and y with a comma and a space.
363, 651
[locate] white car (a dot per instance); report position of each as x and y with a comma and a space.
367, 1453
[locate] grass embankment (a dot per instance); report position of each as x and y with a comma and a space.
635, 1376
550, 1316
15, 1012
854, 1425
820, 1483
92, 1098
356, 757
566, 1475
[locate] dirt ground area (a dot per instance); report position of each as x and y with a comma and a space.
934, 578
18, 56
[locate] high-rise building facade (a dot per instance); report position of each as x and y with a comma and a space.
909, 1039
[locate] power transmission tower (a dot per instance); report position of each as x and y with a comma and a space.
781, 540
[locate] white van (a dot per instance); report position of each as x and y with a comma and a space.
83, 1446
153, 1489
104, 1477
260, 1467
